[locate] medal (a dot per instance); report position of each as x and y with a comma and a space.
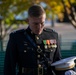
53, 41
48, 42
54, 46
45, 45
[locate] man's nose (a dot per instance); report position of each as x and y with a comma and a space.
39, 25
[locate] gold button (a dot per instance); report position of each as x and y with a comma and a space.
39, 65
37, 37
38, 46
51, 50
25, 51
38, 56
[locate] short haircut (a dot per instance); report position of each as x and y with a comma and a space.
36, 11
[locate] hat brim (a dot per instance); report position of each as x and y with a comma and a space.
64, 60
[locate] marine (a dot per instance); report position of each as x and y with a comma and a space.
30, 51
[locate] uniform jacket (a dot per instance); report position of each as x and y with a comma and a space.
21, 54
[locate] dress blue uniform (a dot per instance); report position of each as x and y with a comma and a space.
30, 59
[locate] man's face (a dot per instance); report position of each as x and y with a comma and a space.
36, 24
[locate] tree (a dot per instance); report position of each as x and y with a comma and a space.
70, 11
60, 7
8, 10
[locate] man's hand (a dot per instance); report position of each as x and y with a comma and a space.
70, 72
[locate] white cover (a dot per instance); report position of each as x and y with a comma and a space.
64, 61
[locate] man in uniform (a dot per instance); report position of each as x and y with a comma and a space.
32, 50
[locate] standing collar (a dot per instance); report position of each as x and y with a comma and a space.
29, 31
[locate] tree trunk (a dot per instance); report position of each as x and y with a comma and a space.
71, 15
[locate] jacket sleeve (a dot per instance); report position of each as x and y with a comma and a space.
10, 57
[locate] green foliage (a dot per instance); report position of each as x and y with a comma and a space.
10, 8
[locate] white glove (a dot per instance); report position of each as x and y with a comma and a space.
70, 72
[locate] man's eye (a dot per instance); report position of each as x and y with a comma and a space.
39, 23
43, 23
36, 23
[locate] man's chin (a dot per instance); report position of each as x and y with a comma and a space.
37, 33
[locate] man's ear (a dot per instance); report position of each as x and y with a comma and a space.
26, 20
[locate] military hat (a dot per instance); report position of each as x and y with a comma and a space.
65, 64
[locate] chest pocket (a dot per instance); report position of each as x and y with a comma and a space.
28, 50
29, 55
50, 54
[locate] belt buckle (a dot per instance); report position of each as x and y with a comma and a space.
40, 70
